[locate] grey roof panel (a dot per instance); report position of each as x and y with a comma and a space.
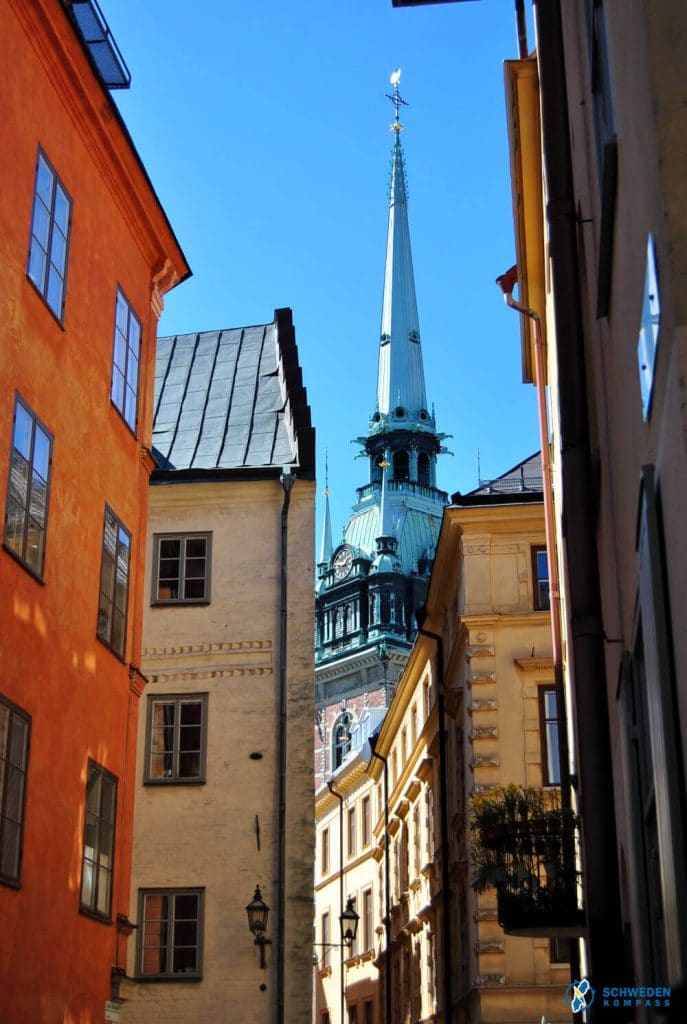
220, 398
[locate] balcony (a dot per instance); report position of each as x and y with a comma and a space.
524, 847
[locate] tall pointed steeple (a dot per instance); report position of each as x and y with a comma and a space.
401, 376
374, 579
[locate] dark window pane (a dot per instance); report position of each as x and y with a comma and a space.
185, 961
9, 854
20, 732
118, 632
186, 933
194, 590
14, 527
14, 794
196, 547
189, 766
191, 713
170, 548
195, 568
186, 907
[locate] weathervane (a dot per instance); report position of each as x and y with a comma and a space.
396, 99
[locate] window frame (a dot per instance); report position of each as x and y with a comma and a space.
367, 915
14, 711
90, 908
167, 976
178, 699
545, 721
131, 315
324, 852
36, 423
42, 288
162, 602
365, 821
351, 832
107, 640
538, 604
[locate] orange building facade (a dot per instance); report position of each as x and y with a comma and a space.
87, 254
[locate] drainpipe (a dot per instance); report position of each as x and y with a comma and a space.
287, 480
338, 796
387, 893
595, 767
443, 799
506, 283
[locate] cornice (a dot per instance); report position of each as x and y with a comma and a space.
184, 662
534, 664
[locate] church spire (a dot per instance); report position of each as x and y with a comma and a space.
326, 542
400, 378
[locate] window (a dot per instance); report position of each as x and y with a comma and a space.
353, 1014
353, 949
181, 568
324, 851
114, 583
342, 738
125, 358
540, 579
560, 950
367, 1011
50, 223
401, 465
548, 729
169, 940
365, 808
325, 1017
98, 843
176, 738
351, 832
26, 517
15, 727
367, 920
324, 933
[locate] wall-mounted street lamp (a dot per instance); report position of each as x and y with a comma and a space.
258, 912
348, 920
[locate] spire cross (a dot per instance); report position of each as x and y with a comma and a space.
396, 99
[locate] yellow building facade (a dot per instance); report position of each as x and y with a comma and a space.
474, 710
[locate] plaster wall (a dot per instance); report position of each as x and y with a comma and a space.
206, 835
55, 962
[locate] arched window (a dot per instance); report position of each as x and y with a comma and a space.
376, 469
341, 738
400, 465
423, 469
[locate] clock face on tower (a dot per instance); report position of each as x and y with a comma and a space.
343, 561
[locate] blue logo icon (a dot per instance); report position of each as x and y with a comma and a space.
580, 995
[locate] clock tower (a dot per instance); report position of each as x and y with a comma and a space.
370, 584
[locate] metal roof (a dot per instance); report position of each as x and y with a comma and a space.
231, 399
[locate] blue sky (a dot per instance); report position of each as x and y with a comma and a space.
265, 130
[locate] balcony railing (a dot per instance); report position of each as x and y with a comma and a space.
432, 493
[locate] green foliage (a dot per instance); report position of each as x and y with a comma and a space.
522, 842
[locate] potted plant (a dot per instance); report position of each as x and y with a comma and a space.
523, 845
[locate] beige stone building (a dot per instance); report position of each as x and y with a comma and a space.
598, 123
475, 708
224, 782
